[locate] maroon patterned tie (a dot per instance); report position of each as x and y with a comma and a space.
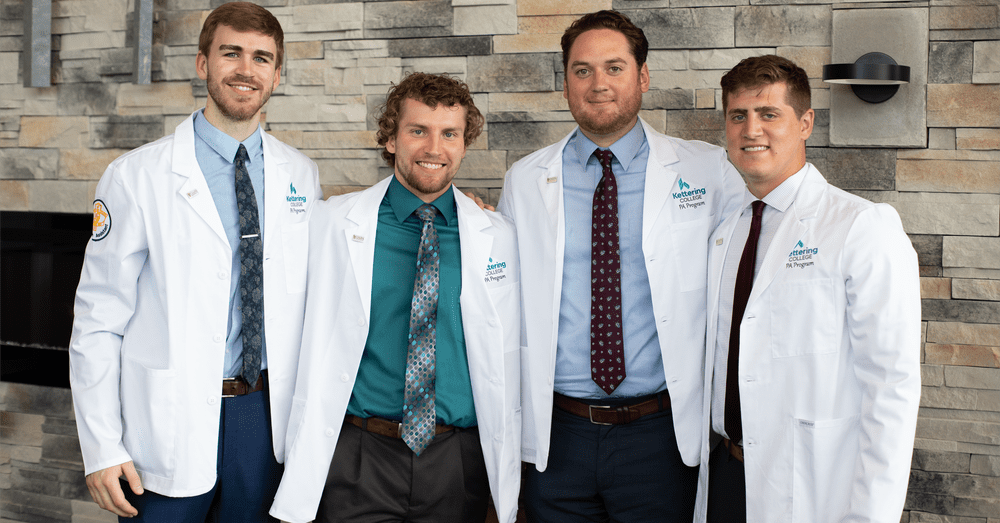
741, 294
607, 354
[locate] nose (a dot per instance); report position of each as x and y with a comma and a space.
244, 66
751, 128
600, 82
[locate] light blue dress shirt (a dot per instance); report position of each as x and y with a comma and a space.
215, 152
643, 359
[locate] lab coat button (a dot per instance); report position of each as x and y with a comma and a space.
212, 400
217, 338
361, 322
496, 437
494, 381
344, 377
330, 433
493, 323
223, 275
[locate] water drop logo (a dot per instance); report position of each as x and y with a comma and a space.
681, 184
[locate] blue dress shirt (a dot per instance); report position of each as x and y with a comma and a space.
643, 359
215, 152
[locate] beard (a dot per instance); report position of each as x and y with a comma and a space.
605, 122
423, 184
232, 109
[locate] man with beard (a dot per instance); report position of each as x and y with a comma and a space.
613, 223
406, 405
189, 307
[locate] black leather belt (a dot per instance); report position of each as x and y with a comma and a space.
384, 427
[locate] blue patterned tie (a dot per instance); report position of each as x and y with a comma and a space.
419, 414
607, 353
251, 271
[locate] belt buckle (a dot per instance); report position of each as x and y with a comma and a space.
399, 430
229, 379
600, 407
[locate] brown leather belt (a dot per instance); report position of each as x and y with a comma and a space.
384, 427
612, 414
735, 450
237, 387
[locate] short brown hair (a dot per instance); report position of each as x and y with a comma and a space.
758, 71
606, 20
243, 17
431, 90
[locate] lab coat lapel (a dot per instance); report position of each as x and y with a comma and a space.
360, 237
194, 188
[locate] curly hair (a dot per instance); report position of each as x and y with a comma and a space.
606, 20
431, 90
243, 17
758, 71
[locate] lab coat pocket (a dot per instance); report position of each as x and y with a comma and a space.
690, 240
823, 465
295, 242
149, 414
805, 318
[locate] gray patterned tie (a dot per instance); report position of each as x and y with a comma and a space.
251, 271
419, 414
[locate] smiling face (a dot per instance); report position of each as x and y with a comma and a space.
765, 139
429, 146
241, 74
604, 85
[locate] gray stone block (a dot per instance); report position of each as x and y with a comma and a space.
935, 461
668, 99
986, 465
408, 19
709, 27
791, 25
950, 63
973, 378
931, 375
865, 169
87, 98
959, 310
28, 164
37, 400
527, 135
449, 46
928, 247
511, 73
124, 132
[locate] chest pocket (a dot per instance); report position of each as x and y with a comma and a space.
805, 318
690, 241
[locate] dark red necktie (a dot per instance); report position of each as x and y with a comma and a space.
741, 294
607, 352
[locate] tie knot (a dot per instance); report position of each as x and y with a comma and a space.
241, 154
758, 207
604, 156
426, 212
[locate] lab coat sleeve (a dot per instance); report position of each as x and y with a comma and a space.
883, 323
105, 302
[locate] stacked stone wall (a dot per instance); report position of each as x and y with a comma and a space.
341, 57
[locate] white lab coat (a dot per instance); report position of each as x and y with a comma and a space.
674, 233
338, 308
829, 367
152, 307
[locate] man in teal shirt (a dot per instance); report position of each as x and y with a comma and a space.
407, 401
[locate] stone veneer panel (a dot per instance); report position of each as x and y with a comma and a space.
963, 105
686, 28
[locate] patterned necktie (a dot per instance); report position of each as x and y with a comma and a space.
251, 271
607, 354
419, 414
741, 294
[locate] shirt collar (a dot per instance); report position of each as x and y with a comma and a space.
624, 149
403, 202
223, 144
782, 196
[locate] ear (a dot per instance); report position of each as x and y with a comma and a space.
644, 78
201, 65
806, 124
391, 145
277, 78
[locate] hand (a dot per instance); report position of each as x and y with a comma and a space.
479, 201
107, 491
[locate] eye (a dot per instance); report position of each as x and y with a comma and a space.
232, 54
450, 134
417, 132
614, 69
582, 72
260, 59
769, 116
737, 118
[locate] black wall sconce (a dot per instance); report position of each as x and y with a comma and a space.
874, 78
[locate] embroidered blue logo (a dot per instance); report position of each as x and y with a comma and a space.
296, 204
681, 184
291, 188
495, 271
688, 197
801, 256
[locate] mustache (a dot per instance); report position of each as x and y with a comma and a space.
238, 78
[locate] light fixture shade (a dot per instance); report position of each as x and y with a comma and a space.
874, 77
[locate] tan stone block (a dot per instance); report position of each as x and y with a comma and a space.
704, 98
986, 62
553, 24
159, 97
527, 102
948, 176
972, 378
969, 251
26, 453
88, 512
14, 195
360, 172
931, 375
689, 79
8, 68
964, 17
931, 154
965, 355
21, 429
947, 398
450, 65
935, 288
54, 131
812, 59
667, 61
483, 165
86, 164
561, 7
948, 332
959, 431
977, 138
973, 289
71, 196
328, 140
303, 50
327, 17
526, 43
723, 59
96, 40
183, 27
484, 19
934, 444
963, 105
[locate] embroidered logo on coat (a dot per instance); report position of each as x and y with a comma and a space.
688, 197
102, 221
801, 256
495, 271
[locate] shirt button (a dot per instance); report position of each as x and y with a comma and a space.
330, 433
217, 338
